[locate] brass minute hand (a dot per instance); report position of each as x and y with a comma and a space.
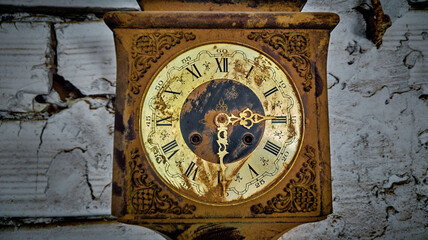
247, 118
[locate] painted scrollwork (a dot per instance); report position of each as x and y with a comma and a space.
294, 47
300, 193
147, 49
145, 196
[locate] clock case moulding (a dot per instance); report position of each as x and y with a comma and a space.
299, 43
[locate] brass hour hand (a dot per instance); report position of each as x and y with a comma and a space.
222, 121
247, 118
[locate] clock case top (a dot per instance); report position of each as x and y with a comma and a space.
145, 41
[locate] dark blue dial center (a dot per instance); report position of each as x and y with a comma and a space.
202, 106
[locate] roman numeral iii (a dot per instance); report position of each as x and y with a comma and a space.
280, 119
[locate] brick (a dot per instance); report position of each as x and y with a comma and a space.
86, 56
25, 62
59, 167
19, 172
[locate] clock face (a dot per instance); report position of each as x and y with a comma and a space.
221, 123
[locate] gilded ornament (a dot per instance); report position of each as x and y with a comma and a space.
294, 47
145, 195
300, 193
147, 49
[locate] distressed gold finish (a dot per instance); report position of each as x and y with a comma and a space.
300, 194
146, 196
221, 122
148, 48
293, 47
222, 149
196, 175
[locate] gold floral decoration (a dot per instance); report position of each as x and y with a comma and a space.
147, 49
145, 196
294, 47
300, 193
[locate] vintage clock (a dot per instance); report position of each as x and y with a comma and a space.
221, 122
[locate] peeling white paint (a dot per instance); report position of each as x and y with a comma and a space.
395, 179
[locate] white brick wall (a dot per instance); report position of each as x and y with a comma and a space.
56, 154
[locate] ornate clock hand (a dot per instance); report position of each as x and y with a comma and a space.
247, 118
222, 120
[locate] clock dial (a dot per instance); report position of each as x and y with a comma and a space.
202, 106
221, 123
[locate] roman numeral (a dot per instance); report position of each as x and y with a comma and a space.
248, 74
270, 91
190, 171
164, 122
169, 147
252, 171
280, 119
272, 148
178, 93
225, 67
194, 68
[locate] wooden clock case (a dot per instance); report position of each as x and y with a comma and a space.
148, 39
